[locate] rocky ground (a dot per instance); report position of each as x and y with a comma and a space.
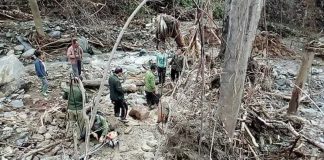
30, 121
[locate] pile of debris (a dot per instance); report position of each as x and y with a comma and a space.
270, 44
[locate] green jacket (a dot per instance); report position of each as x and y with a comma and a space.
100, 124
177, 62
149, 81
116, 90
74, 97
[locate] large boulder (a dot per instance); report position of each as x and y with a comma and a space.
139, 112
11, 70
130, 88
84, 44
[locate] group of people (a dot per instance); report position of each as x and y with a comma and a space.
74, 95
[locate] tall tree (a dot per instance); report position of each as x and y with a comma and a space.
241, 20
37, 18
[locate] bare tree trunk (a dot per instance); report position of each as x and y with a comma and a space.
105, 74
300, 82
241, 19
210, 8
37, 17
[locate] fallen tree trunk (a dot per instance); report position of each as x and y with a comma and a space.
16, 14
96, 83
41, 149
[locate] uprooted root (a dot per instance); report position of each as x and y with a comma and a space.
270, 44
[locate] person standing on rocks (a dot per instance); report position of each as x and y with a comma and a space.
41, 71
74, 54
151, 97
117, 94
161, 60
176, 65
75, 106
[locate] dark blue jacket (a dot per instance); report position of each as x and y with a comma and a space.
40, 68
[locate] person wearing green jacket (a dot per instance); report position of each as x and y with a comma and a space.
75, 106
117, 94
151, 97
100, 127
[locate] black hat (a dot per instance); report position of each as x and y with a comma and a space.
118, 70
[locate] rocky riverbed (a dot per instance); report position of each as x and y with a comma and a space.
30, 121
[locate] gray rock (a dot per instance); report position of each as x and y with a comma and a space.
55, 34
22, 138
42, 130
19, 48
29, 53
11, 52
58, 157
47, 136
9, 35
18, 54
48, 118
147, 148
281, 80
6, 133
38, 137
21, 130
2, 95
85, 55
123, 148
320, 104
24, 42
96, 51
84, 44
316, 71
9, 114
148, 156
152, 143
58, 28
86, 60
8, 151
17, 103
2, 45
11, 70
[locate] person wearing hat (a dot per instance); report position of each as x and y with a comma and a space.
74, 54
151, 97
117, 94
75, 106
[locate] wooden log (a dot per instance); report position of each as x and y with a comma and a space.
93, 83
41, 149
300, 82
96, 83
16, 14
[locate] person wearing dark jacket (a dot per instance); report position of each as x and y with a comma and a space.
117, 94
176, 65
41, 71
